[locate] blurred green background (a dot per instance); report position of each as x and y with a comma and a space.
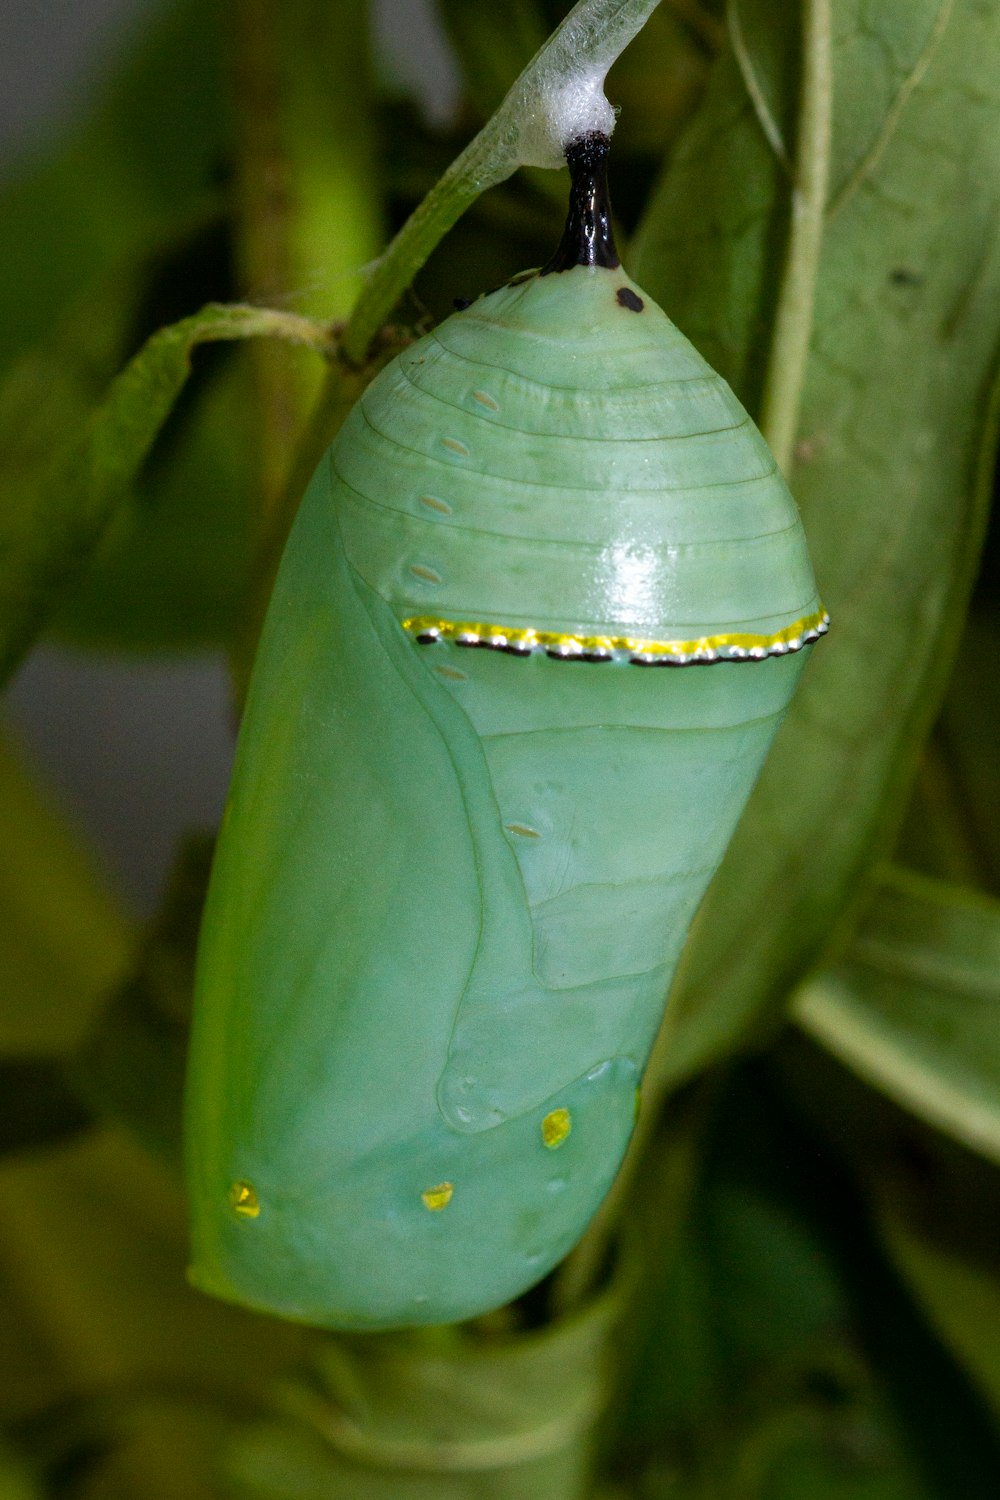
794, 1293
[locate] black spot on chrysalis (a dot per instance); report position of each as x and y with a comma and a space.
625, 297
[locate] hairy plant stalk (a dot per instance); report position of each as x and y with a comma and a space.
793, 320
520, 133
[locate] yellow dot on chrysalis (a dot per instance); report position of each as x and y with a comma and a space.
556, 1127
243, 1200
439, 1197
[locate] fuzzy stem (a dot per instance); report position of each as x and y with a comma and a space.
789, 356
520, 133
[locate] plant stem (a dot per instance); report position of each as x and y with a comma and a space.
427, 225
64, 507
337, 395
263, 242
789, 356
583, 46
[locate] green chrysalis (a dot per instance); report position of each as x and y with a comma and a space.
452, 884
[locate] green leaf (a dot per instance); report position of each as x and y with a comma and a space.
64, 942
170, 567
111, 192
296, 229
914, 1008
779, 1357
173, 566
880, 67
937, 835
131, 1066
896, 434
969, 732
51, 528
95, 1311
492, 46
934, 1204
39, 1105
957, 1283
951, 830
452, 1414
658, 85
52, 389
16, 1482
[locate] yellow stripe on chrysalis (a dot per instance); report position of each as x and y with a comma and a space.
735, 646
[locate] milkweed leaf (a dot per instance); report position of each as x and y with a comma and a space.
914, 1007
956, 1279
39, 1105
103, 195
130, 1067
893, 460
455, 1414
933, 1205
64, 941
52, 525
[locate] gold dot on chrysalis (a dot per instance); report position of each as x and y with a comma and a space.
556, 1127
436, 1198
243, 1200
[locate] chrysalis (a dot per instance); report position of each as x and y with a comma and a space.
453, 883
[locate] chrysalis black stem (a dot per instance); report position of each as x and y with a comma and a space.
588, 239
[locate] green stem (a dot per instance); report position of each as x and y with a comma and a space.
264, 198
62, 513
789, 356
519, 134
427, 225
338, 394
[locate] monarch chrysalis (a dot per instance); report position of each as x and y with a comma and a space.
452, 884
